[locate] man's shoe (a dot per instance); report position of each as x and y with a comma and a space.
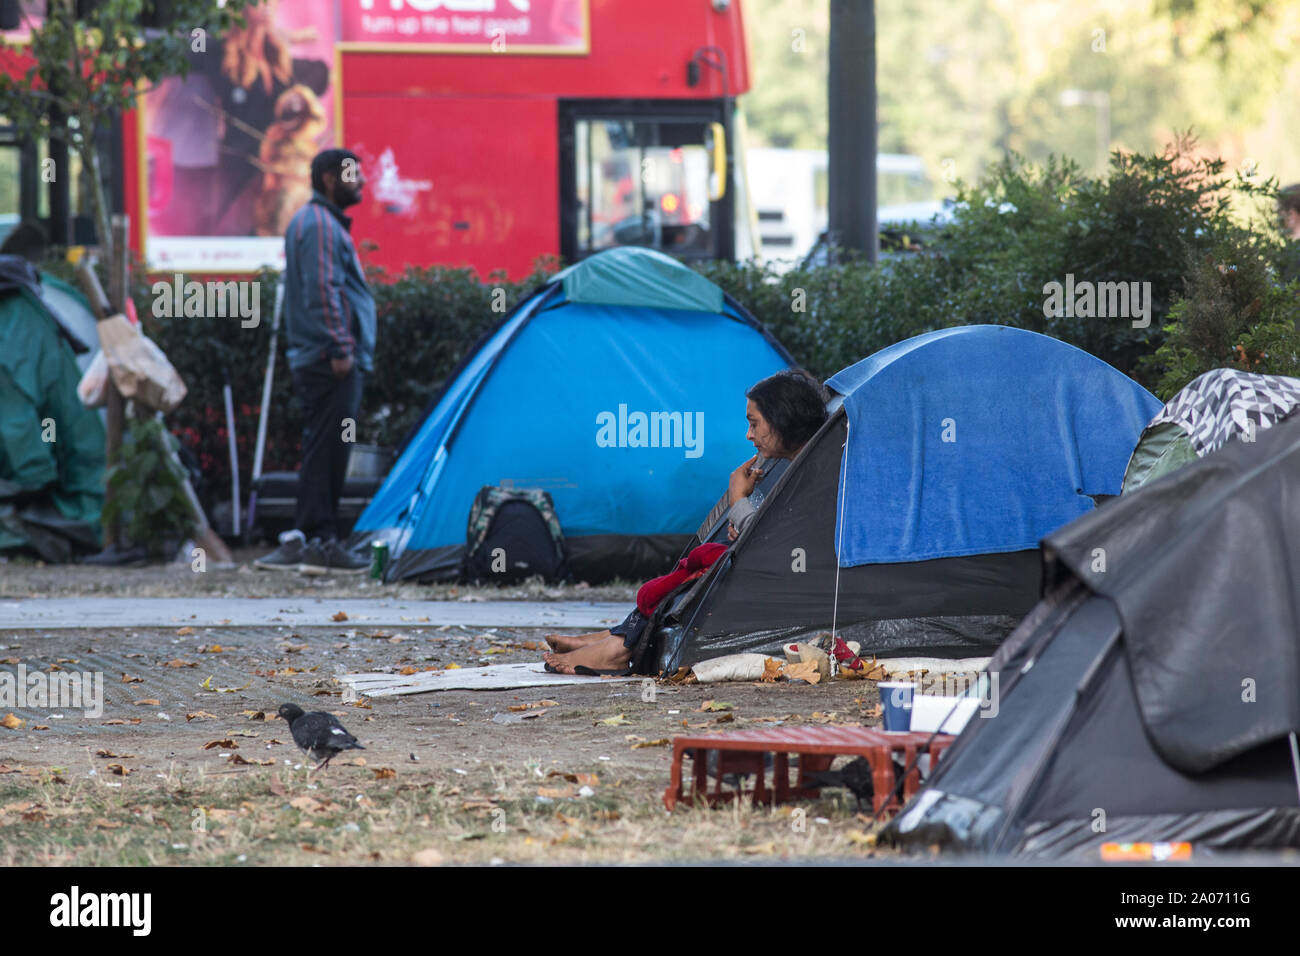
287, 557
315, 559
329, 557
343, 561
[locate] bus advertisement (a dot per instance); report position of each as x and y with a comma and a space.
491, 132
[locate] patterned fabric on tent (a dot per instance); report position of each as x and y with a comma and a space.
1225, 403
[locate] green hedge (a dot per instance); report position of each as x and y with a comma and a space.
1150, 221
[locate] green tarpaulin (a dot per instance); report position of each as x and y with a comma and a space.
51, 446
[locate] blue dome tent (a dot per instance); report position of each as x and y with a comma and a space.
911, 521
618, 388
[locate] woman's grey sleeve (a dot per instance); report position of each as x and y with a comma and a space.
742, 513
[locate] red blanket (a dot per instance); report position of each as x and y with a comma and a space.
688, 569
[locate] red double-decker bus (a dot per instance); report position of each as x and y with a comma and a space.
492, 132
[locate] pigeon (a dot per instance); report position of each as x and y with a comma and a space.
318, 734
854, 776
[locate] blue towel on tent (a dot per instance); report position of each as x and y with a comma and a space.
978, 440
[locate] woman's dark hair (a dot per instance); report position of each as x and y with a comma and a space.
794, 404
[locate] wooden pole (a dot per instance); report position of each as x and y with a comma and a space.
115, 407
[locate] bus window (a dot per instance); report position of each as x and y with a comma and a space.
643, 182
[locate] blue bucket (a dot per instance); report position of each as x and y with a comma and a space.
896, 699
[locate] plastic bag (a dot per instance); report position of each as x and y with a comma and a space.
93, 387
140, 369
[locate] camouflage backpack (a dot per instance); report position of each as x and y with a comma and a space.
514, 534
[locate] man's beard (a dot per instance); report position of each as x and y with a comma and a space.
345, 196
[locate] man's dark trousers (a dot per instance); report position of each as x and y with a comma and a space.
328, 405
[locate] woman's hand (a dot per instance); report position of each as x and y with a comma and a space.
732, 533
743, 480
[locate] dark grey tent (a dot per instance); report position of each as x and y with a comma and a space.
1155, 690
911, 521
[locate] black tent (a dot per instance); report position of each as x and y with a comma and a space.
1153, 695
911, 521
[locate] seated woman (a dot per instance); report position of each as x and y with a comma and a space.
784, 411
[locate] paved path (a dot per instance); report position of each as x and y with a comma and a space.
54, 613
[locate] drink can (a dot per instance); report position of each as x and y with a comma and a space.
378, 560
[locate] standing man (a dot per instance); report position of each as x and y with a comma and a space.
329, 318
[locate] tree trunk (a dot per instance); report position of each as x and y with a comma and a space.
99, 204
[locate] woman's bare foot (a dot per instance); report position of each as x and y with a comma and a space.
607, 655
571, 642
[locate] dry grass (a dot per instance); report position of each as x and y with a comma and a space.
349, 815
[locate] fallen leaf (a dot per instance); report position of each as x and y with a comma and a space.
725, 719
200, 715
618, 720
384, 773
429, 857
312, 805
207, 685
109, 755
860, 838
184, 631
407, 671
535, 705
661, 742
10, 722
277, 787
242, 733
255, 715
340, 616
583, 779
41, 727
105, 824
225, 744
771, 670
148, 702
715, 705
128, 679
180, 663
211, 649
117, 721
118, 770
238, 760
557, 793
803, 670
